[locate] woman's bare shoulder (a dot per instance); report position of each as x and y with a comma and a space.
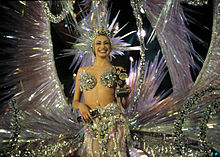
83, 68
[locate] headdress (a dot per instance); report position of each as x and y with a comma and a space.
95, 23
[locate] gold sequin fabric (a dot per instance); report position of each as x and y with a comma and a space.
108, 134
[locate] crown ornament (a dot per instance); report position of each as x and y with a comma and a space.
102, 32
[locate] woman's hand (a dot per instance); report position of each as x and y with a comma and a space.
124, 101
128, 90
85, 114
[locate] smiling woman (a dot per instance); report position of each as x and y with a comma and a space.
106, 130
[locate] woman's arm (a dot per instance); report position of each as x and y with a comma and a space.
124, 101
77, 93
83, 108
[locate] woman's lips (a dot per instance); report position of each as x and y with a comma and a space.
102, 51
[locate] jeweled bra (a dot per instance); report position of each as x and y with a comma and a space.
88, 82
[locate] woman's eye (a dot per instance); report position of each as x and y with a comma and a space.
98, 43
106, 42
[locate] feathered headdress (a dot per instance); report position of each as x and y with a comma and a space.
95, 23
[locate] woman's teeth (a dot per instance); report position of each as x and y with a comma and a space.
102, 51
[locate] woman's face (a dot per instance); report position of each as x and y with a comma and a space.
102, 46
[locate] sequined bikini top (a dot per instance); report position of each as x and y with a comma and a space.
88, 82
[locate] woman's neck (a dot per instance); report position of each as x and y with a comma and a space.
99, 62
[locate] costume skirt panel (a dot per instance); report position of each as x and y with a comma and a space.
108, 134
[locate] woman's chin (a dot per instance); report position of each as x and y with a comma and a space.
103, 55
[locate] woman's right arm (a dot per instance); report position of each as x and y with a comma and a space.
83, 108
77, 93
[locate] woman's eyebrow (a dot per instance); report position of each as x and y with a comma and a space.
101, 41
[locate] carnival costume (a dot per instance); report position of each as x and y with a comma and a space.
111, 132
36, 120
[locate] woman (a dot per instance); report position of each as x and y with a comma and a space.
106, 133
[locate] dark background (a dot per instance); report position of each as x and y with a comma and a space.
201, 25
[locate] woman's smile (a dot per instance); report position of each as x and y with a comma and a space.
102, 50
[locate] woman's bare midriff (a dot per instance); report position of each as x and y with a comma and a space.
99, 96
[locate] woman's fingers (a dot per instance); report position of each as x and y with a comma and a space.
129, 90
83, 119
128, 87
87, 118
90, 117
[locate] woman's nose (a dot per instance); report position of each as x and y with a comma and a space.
102, 45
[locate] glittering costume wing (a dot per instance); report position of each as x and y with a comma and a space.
206, 117
187, 121
168, 20
29, 77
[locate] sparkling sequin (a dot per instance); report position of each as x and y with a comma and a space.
87, 82
108, 79
111, 131
179, 138
197, 2
60, 17
139, 24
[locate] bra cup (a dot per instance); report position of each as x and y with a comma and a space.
108, 79
88, 82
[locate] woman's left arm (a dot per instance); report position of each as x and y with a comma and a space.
124, 100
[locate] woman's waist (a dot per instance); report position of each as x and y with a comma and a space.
94, 104
111, 108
